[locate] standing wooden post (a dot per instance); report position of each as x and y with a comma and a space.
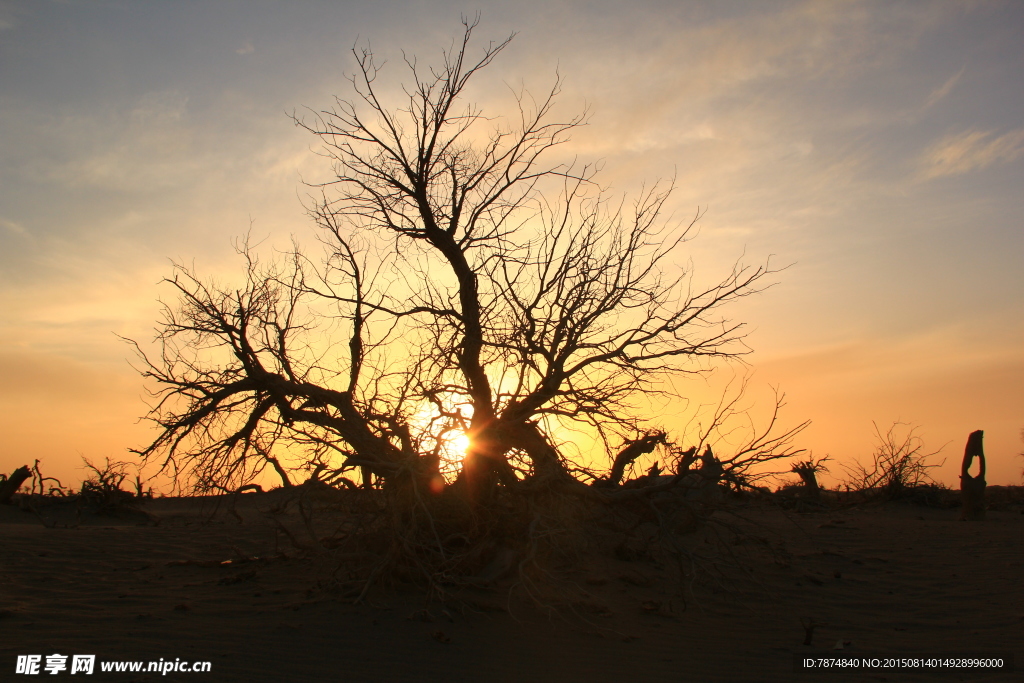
972, 489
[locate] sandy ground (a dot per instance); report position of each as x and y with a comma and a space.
877, 579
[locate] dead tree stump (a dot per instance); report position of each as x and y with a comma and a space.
808, 474
13, 483
972, 489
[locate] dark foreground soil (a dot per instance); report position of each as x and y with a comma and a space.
191, 579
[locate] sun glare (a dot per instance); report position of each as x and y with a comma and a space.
454, 443
456, 448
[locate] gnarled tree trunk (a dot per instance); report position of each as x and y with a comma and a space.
633, 450
13, 482
811, 487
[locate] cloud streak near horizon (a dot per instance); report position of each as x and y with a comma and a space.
971, 151
876, 147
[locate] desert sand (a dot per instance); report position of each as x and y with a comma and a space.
202, 579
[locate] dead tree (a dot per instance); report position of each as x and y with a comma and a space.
972, 488
808, 472
473, 288
10, 485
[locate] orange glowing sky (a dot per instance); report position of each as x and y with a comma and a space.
877, 147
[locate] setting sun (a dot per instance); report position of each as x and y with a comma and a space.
457, 447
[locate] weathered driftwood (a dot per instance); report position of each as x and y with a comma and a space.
13, 482
972, 489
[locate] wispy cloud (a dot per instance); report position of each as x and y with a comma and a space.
12, 227
944, 89
970, 151
246, 49
149, 142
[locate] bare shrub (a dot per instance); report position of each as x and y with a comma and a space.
898, 464
103, 491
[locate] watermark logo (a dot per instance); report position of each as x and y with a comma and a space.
34, 665
55, 664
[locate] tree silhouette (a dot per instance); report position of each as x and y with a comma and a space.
471, 289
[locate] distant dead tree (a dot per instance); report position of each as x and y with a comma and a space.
808, 471
972, 487
471, 291
1022, 452
9, 485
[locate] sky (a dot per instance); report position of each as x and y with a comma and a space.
874, 148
